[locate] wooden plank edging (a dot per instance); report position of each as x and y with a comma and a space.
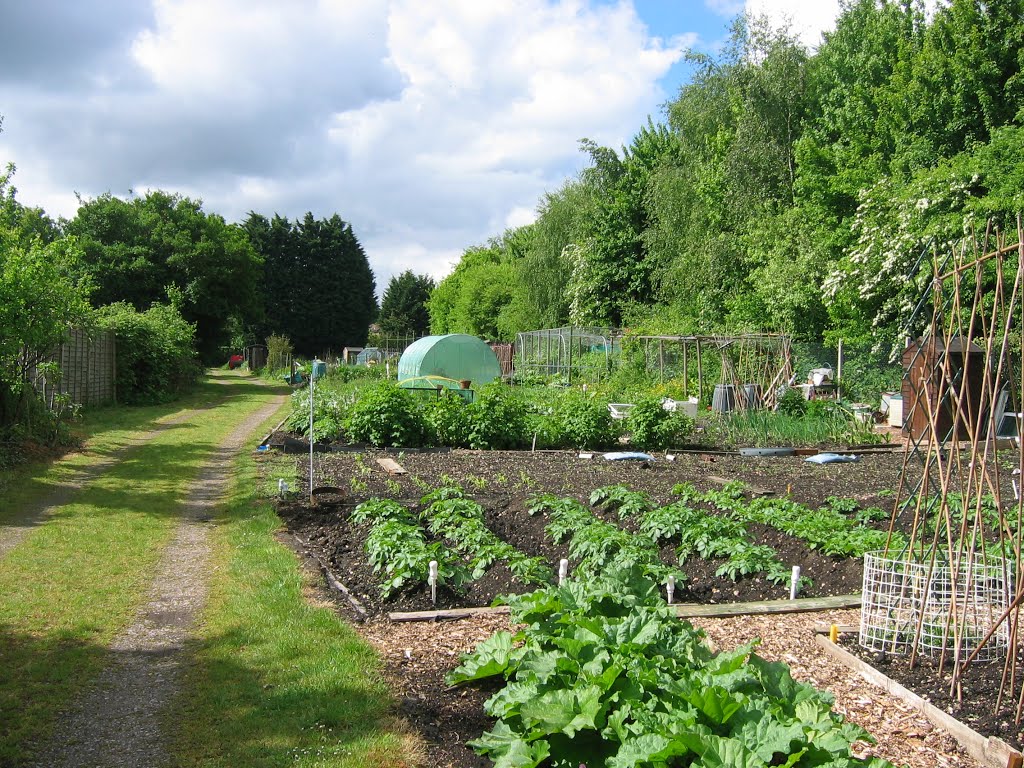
988, 750
683, 610
761, 607
448, 613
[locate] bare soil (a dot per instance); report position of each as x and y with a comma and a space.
419, 654
503, 482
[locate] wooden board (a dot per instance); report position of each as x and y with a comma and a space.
391, 466
449, 613
753, 490
800, 605
989, 751
683, 610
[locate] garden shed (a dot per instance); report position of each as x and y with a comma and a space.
446, 361
935, 372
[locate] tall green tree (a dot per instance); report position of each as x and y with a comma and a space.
476, 298
318, 287
163, 248
718, 205
403, 308
41, 295
610, 264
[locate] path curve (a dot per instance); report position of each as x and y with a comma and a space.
117, 721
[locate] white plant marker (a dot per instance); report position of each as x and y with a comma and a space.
432, 581
671, 588
794, 584
387, 368
312, 378
563, 570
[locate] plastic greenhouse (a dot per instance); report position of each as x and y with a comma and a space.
369, 355
447, 361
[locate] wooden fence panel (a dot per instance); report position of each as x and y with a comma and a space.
89, 368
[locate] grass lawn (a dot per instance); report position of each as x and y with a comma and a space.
277, 681
77, 580
103, 431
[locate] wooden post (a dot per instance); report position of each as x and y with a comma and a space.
661, 361
700, 374
686, 373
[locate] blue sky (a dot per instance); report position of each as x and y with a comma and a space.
429, 126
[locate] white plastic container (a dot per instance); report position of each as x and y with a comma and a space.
896, 411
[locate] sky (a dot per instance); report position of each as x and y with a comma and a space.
431, 126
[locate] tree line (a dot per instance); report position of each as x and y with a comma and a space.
784, 189
179, 287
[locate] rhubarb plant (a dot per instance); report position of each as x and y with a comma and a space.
603, 673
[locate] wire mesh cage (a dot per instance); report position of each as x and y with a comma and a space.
915, 603
574, 353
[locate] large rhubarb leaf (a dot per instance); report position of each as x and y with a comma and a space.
490, 658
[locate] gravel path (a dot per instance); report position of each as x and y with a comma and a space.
15, 529
117, 722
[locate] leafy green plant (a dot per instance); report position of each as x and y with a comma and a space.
497, 419
583, 420
651, 427
398, 551
604, 673
825, 529
460, 520
385, 415
745, 558
595, 544
618, 497
448, 418
792, 402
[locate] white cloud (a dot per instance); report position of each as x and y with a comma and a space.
429, 126
520, 217
808, 18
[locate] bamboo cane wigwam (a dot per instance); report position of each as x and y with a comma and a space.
952, 587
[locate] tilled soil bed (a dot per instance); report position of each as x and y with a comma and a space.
419, 654
503, 482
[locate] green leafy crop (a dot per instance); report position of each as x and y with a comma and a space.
398, 551
460, 520
604, 674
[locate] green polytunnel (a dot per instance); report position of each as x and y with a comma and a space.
446, 361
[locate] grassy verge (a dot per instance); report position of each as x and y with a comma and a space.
277, 681
77, 580
102, 431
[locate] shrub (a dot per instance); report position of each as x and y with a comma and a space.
279, 352
651, 427
156, 355
385, 415
448, 420
583, 421
498, 419
792, 402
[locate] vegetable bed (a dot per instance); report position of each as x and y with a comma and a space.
735, 545
505, 484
